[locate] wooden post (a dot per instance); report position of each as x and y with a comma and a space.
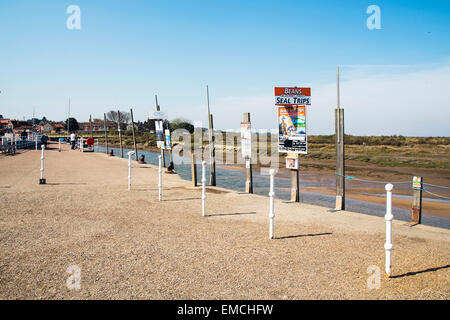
193, 167
134, 137
120, 135
248, 164
90, 124
416, 210
158, 108
212, 151
295, 193
340, 159
106, 132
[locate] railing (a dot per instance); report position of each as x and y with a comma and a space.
18, 142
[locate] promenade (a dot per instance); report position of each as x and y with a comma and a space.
129, 245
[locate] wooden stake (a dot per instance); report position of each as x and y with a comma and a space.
416, 210
134, 137
120, 135
106, 132
212, 151
249, 174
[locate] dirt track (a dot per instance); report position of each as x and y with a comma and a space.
129, 245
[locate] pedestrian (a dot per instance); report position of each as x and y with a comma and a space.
73, 139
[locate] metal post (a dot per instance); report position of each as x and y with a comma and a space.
59, 144
158, 108
248, 164
42, 180
160, 178
130, 153
134, 137
203, 188
388, 217
120, 135
82, 144
271, 207
106, 132
35, 141
416, 210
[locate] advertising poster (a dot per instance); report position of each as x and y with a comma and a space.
292, 130
246, 140
291, 96
159, 134
168, 140
417, 183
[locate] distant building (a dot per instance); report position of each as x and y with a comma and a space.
97, 126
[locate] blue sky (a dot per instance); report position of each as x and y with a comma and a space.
128, 51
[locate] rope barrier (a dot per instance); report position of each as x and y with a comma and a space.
348, 178
369, 181
433, 185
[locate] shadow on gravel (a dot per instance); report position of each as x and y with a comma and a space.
304, 235
421, 271
229, 214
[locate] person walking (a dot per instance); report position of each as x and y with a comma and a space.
73, 139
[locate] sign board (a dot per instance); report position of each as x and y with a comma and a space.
246, 140
168, 140
158, 115
292, 96
417, 183
159, 134
292, 161
292, 130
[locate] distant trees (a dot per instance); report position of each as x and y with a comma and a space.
73, 124
181, 123
124, 117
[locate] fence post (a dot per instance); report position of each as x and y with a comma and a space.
42, 180
388, 217
203, 188
416, 210
35, 142
59, 144
130, 153
271, 208
160, 178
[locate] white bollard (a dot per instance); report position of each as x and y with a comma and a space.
388, 217
82, 144
271, 208
160, 178
203, 188
130, 153
35, 142
42, 180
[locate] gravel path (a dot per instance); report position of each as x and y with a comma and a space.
128, 245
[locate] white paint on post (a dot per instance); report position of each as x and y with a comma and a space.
271, 208
388, 217
130, 153
42, 162
160, 178
203, 188
35, 142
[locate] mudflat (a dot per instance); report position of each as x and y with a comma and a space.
129, 245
